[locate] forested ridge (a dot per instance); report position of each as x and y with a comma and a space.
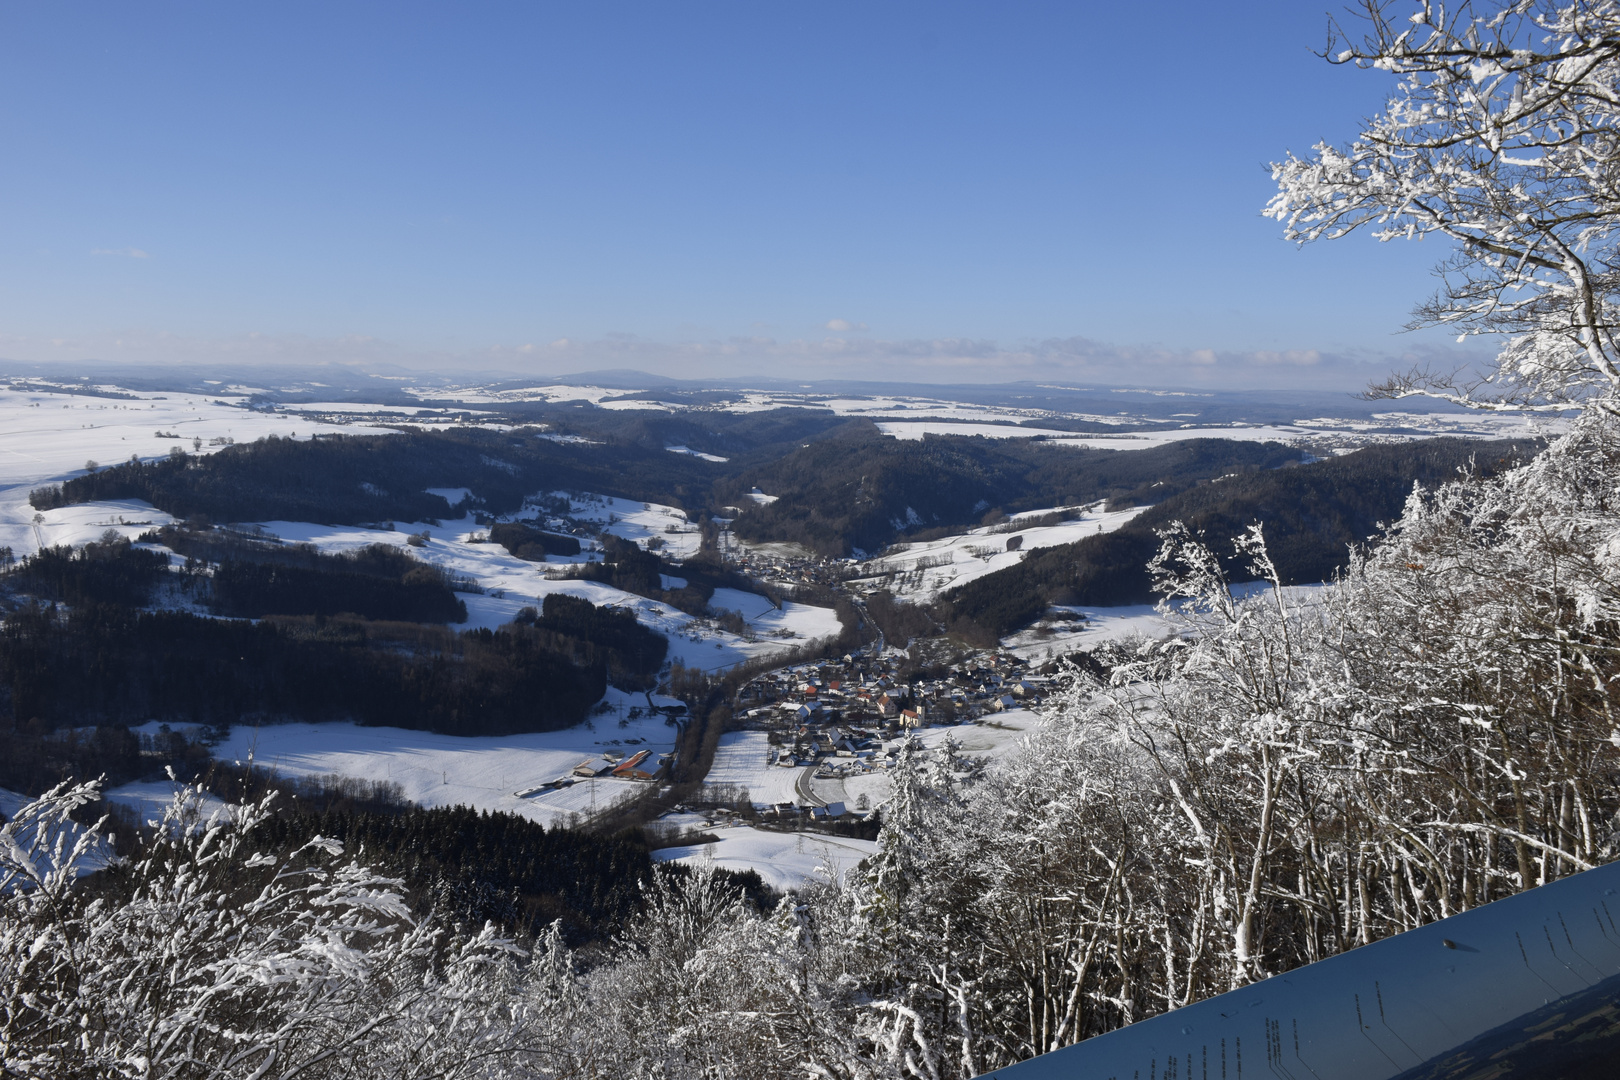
244, 577
353, 480
1314, 515
101, 664
360, 479
851, 487
863, 489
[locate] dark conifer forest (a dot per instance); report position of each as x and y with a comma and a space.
103, 664
528, 542
480, 866
110, 572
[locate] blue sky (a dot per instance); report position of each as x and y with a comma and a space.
936, 191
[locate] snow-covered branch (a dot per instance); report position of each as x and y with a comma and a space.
1499, 139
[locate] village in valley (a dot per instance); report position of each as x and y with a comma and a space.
838, 714
823, 732
818, 729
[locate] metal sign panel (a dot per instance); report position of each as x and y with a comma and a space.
1527, 987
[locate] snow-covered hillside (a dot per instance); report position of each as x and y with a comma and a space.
920, 572
149, 799
511, 584
636, 521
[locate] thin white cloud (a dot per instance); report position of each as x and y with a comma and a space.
844, 326
920, 360
127, 253
1295, 357
972, 360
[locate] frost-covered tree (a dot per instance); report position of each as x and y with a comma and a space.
201, 958
1500, 138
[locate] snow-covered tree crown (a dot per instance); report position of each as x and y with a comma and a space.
1501, 136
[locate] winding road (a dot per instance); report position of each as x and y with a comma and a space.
801, 786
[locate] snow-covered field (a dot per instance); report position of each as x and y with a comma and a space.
1467, 425
549, 392
899, 408
776, 549
997, 736
784, 860
1057, 635
742, 758
1124, 440
397, 413
695, 453
486, 773
150, 799
73, 525
1384, 427
922, 571
11, 802
49, 436
916, 429
98, 857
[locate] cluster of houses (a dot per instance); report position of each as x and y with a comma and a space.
786, 574
875, 692
839, 708
841, 751
784, 813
